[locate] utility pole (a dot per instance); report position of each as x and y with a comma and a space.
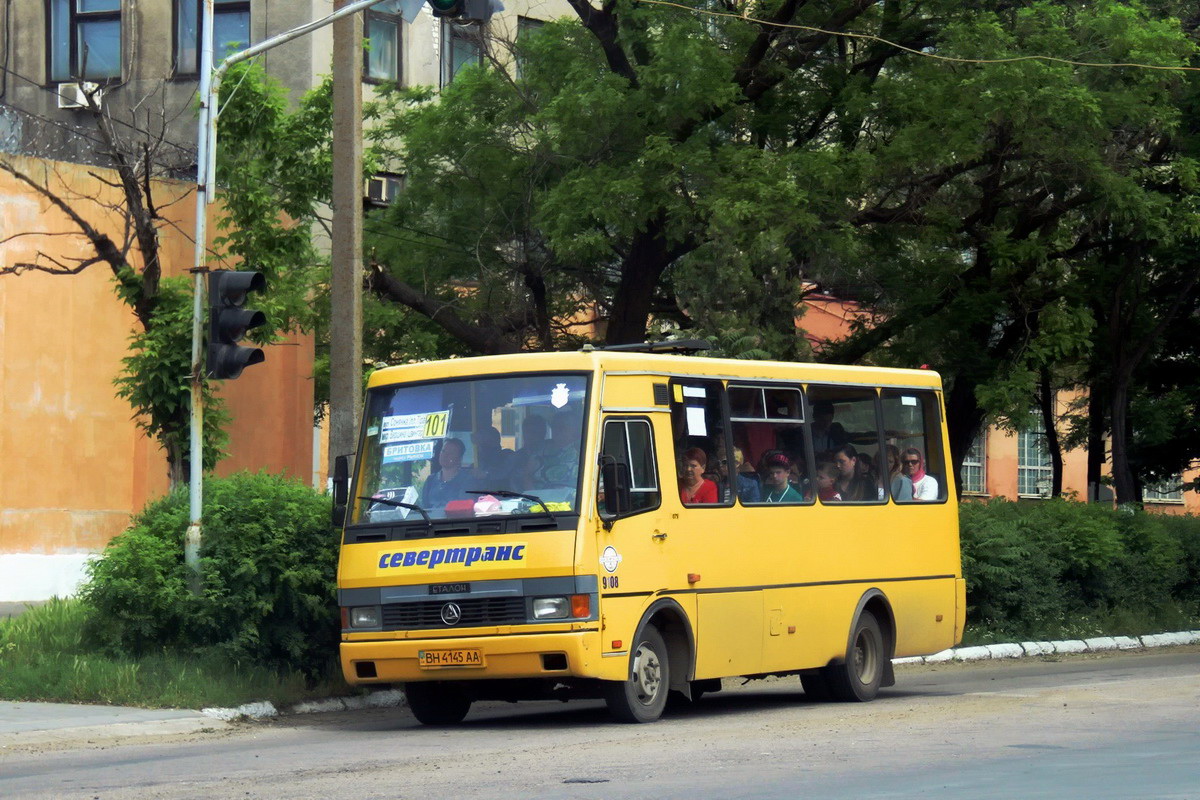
345, 322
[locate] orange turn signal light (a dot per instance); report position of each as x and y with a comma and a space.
616, 644
581, 606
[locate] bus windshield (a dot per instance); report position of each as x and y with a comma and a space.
471, 448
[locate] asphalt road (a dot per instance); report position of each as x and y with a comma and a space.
1112, 726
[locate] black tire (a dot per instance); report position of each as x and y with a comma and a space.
857, 680
643, 697
437, 703
816, 686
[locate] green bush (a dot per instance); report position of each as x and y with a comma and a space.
268, 563
1061, 568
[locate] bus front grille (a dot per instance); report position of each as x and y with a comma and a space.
427, 614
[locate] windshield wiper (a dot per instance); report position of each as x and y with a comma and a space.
505, 493
398, 504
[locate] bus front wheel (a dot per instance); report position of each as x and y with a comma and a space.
859, 677
437, 703
643, 696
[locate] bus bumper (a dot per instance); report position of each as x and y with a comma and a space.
538, 655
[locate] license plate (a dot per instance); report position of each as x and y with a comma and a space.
449, 658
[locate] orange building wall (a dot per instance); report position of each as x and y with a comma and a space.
73, 465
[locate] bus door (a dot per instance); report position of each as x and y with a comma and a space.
635, 546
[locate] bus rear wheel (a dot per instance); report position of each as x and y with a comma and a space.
859, 677
643, 697
437, 703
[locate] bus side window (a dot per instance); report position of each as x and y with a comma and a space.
701, 454
629, 442
912, 425
851, 461
768, 436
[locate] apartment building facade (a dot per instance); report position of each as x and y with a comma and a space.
73, 463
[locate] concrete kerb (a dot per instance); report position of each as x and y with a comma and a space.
394, 698
1024, 649
388, 698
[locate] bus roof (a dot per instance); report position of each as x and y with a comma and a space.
599, 360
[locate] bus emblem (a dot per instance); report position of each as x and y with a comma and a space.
559, 395
451, 613
610, 559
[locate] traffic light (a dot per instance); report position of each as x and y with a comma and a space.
473, 10
228, 322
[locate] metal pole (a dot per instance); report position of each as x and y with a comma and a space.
191, 547
206, 149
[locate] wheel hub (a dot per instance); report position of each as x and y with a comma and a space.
647, 674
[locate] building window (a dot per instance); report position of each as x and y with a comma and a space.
85, 39
381, 62
1034, 473
526, 27
231, 32
1169, 491
383, 189
973, 474
462, 45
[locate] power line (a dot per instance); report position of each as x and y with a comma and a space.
922, 53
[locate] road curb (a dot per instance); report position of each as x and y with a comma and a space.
1027, 649
387, 698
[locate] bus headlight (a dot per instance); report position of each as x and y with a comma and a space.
364, 617
577, 605
551, 608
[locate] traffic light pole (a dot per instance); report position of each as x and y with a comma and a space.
206, 146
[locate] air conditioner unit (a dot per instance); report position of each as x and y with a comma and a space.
74, 95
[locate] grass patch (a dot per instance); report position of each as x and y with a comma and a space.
43, 656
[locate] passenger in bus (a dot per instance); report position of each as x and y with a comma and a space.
827, 475
899, 483
827, 435
746, 483
488, 454
924, 485
776, 469
850, 484
749, 489
693, 486
533, 435
867, 471
798, 476
450, 481
560, 459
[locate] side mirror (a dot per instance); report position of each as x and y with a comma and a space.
341, 489
617, 496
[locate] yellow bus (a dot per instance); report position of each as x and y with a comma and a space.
627, 523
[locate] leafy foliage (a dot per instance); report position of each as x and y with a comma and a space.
267, 567
1032, 568
156, 378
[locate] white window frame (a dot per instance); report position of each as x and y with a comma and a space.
1033, 464
453, 31
1156, 493
975, 458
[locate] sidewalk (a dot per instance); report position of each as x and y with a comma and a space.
50, 723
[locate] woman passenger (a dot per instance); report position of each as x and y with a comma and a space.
693, 486
924, 486
849, 484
